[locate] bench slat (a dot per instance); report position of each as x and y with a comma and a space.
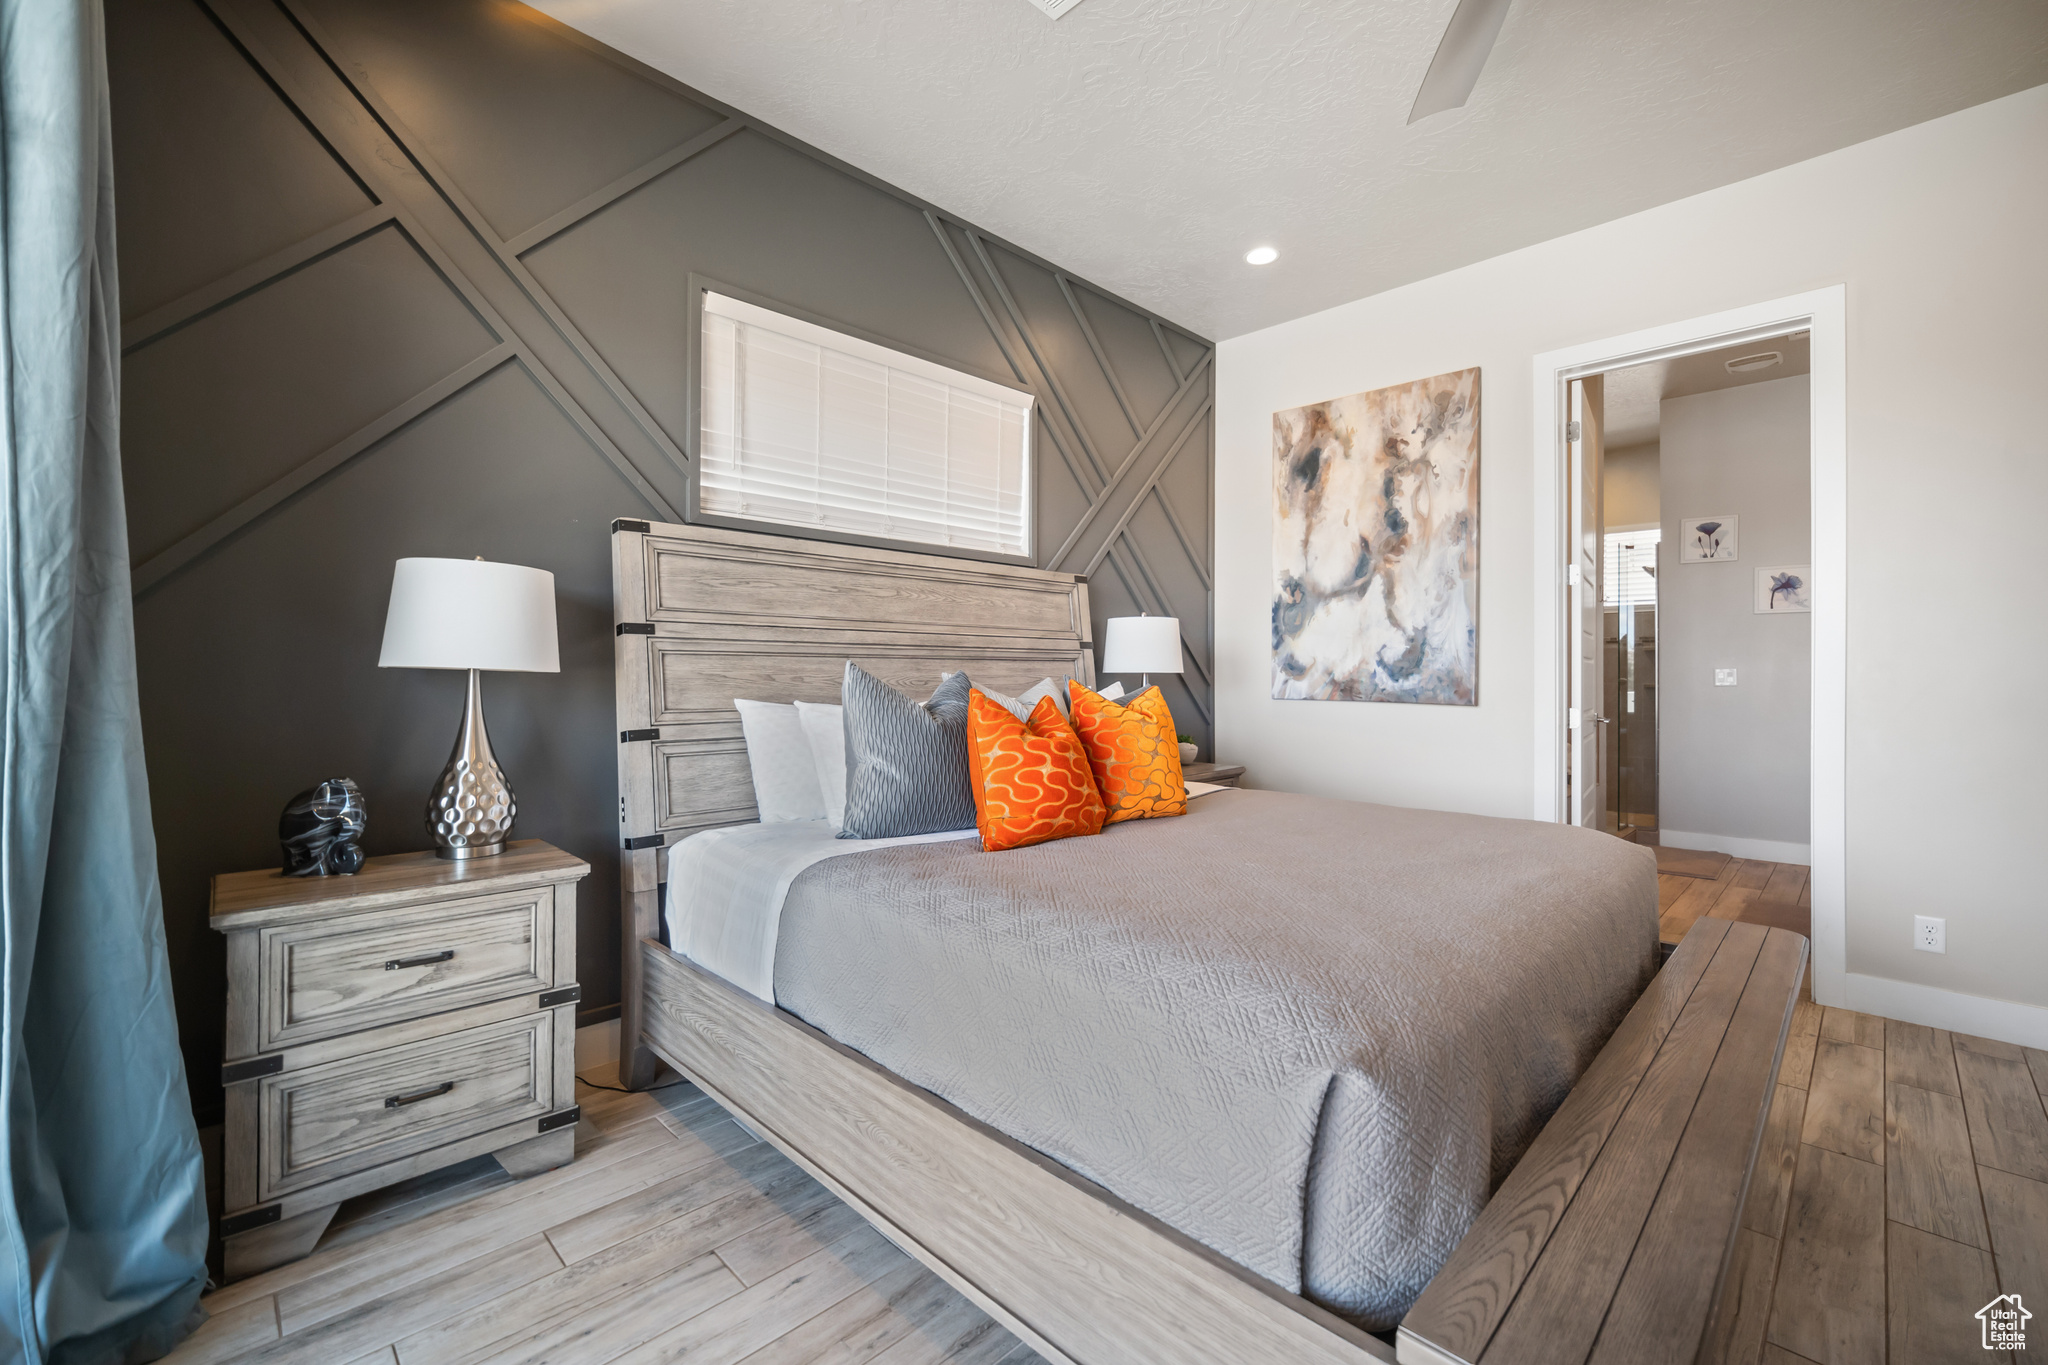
1659, 1313
1463, 1305
1556, 1317
1609, 1242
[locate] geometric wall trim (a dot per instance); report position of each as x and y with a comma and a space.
415, 279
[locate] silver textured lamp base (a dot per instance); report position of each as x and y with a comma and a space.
471, 808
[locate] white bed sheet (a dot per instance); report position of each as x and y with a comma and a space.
726, 888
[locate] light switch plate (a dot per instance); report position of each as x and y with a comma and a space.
1724, 677
1930, 934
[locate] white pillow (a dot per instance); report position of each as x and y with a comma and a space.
1026, 701
785, 774
825, 731
1021, 705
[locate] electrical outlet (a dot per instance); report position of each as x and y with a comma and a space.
1930, 935
1724, 677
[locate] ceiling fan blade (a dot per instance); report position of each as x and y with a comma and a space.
1460, 57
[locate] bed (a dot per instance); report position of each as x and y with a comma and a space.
1231, 1086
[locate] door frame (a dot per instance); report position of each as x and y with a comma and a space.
1823, 313
1594, 730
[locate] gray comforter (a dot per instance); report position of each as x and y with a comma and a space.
1311, 1034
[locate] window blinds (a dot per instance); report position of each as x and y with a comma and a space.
1631, 568
804, 426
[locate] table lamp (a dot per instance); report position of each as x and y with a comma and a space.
471, 614
1143, 645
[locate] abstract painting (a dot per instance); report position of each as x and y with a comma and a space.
1376, 545
1706, 540
1789, 587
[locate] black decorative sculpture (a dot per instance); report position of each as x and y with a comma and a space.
322, 830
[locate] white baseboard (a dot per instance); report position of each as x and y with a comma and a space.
597, 1045
1763, 850
2006, 1020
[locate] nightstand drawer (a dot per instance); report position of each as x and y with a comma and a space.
354, 972
327, 1121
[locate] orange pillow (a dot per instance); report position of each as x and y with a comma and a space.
1134, 752
1031, 779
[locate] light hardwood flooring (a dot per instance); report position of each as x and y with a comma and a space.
1903, 1183
673, 1236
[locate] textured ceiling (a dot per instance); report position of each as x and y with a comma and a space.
1146, 144
1632, 400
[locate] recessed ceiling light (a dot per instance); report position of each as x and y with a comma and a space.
1748, 364
1261, 255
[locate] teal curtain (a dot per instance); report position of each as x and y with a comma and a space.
102, 1206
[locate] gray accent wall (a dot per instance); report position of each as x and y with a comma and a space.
413, 277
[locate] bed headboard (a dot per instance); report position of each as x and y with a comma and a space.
703, 615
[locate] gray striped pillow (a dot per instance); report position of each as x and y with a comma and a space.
906, 761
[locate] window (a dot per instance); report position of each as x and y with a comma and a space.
1630, 574
804, 426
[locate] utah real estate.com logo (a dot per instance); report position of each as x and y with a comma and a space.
2005, 1323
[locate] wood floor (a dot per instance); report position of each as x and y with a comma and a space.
1904, 1179
673, 1236
1691, 884
1902, 1185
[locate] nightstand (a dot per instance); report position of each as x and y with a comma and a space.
416, 1014
1220, 774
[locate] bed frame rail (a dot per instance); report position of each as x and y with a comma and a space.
1611, 1240
1081, 1276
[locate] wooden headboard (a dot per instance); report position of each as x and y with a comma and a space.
703, 615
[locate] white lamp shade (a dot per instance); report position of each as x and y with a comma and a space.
1141, 644
470, 613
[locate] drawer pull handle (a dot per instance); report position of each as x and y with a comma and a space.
427, 961
399, 1101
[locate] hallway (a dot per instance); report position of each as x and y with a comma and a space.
1692, 883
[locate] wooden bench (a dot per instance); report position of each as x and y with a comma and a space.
1611, 1239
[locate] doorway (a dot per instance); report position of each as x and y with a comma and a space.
1596, 755
1691, 487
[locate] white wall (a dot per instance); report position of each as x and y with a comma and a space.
1937, 232
1733, 767
1630, 490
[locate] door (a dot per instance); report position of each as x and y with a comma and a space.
1587, 724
